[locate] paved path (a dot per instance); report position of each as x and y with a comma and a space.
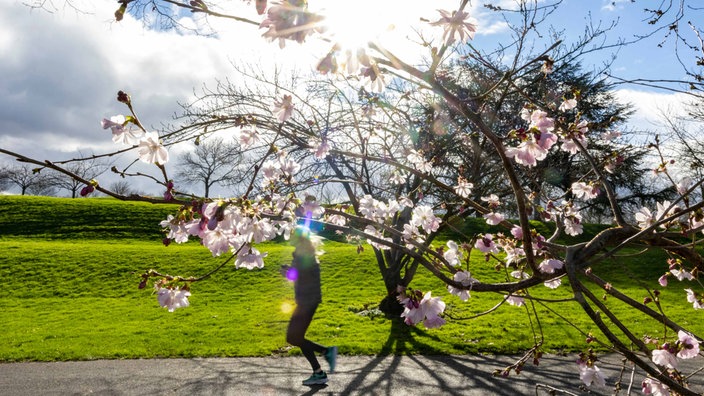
356, 375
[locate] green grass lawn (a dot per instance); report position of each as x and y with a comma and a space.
70, 270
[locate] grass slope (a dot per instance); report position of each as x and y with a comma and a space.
70, 270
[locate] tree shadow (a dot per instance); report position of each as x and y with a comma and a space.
436, 373
399, 373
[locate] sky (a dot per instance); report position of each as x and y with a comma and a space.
61, 70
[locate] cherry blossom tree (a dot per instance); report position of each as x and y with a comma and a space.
373, 138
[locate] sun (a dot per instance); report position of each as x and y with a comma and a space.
355, 24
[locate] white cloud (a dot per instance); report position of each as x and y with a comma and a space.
613, 5
61, 71
651, 106
495, 27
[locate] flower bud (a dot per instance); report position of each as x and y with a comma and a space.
87, 190
261, 6
122, 97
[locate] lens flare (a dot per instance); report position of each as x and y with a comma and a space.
286, 307
292, 274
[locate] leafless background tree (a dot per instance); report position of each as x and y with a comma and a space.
214, 162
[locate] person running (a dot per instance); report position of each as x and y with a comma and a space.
304, 271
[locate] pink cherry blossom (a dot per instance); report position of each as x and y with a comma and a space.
398, 177
463, 188
373, 232
567, 105
367, 206
337, 220
665, 209
573, 224
540, 120
582, 128
173, 298
683, 185
197, 227
419, 162
352, 62
427, 310
405, 201
412, 312
513, 254
434, 322
644, 218
663, 280
651, 386
250, 258
553, 283
151, 150
515, 300
432, 308
465, 278
520, 274
585, 190
310, 208
492, 200
688, 345
692, 298
486, 245
115, 123
271, 170
610, 135
493, 218
247, 136
517, 232
287, 21
571, 146
259, 231
283, 109
663, 357
528, 153
452, 255
547, 140
682, 274
289, 166
456, 25
373, 78
590, 374
424, 217
218, 241
122, 133
410, 233
550, 265
321, 149
177, 229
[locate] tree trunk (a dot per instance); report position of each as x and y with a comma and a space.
391, 265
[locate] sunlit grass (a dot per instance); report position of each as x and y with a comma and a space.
75, 296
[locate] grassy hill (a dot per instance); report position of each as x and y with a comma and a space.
70, 269
82, 218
